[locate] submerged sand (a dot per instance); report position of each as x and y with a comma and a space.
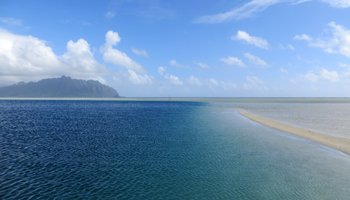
341, 144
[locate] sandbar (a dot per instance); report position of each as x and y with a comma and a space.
341, 144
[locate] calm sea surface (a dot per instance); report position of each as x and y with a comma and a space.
158, 150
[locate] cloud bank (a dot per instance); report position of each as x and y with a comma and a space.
24, 57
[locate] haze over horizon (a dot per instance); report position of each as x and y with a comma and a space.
158, 48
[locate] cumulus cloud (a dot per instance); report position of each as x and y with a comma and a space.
27, 58
25, 54
174, 79
337, 42
171, 78
302, 37
255, 6
135, 72
329, 75
249, 39
234, 61
255, 59
323, 74
140, 52
80, 58
117, 57
139, 79
24, 57
112, 38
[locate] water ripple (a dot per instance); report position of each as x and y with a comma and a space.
149, 150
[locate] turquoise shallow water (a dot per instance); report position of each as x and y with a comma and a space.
157, 150
319, 115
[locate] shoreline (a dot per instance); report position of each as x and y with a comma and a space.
194, 99
341, 144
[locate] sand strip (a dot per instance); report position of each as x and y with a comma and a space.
341, 144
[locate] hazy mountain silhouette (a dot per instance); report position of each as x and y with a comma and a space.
59, 87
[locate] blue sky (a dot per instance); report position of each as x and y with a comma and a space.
182, 48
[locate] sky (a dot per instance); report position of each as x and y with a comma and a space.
182, 48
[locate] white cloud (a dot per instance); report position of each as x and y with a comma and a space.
117, 57
171, 78
202, 65
213, 82
136, 73
287, 46
161, 71
234, 61
80, 58
323, 74
112, 38
255, 6
302, 37
311, 76
109, 14
27, 58
338, 3
11, 21
244, 11
192, 80
253, 40
174, 79
24, 57
329, 75
174, 63
139, 79
255, 60
140, 52
338, 42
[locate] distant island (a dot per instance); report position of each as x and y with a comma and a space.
62, 87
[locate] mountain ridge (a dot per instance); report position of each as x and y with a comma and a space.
62, 87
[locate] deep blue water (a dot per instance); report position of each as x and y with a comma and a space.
157, 150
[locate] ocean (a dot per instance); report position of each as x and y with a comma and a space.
75, 149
